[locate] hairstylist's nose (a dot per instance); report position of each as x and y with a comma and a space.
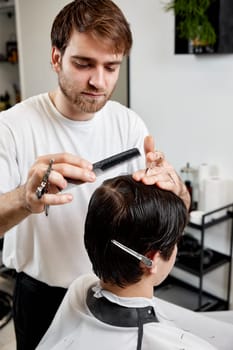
97, 79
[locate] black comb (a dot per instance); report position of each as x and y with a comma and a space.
110, 162
116, 159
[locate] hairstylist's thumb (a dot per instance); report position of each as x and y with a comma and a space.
149, 145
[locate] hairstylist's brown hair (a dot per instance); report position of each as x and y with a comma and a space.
101, 18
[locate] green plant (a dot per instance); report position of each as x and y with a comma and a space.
193, 21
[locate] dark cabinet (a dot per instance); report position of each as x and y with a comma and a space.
220, 15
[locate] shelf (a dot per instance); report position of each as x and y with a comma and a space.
187, 296
5, 60
198, 260
7, 5
7, 9
213, 222
192, 264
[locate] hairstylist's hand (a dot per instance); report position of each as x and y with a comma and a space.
64, 166
160, 172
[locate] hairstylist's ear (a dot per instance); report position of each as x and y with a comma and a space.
56, 59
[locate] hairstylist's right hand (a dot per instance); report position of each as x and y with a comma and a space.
64, 165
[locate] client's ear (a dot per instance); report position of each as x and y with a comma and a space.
155, 257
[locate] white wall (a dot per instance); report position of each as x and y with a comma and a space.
186, 100
34, 19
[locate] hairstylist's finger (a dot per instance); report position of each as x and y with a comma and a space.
72, 173
67, 158
149, 145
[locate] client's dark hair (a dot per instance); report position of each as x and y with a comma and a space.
142, 217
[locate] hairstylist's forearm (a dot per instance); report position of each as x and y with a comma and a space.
12, 209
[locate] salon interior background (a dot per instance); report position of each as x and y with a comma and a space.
186, 100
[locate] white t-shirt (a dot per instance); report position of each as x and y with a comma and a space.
51, 249
74, 327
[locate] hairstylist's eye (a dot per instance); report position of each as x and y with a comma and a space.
81, 65
112, 67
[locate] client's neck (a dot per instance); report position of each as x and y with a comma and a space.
141, 289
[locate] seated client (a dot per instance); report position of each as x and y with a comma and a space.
131, 236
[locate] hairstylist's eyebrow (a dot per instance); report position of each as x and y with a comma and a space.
93, 60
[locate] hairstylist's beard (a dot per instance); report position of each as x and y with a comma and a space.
85, 103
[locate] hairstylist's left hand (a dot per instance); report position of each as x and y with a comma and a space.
158, 171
